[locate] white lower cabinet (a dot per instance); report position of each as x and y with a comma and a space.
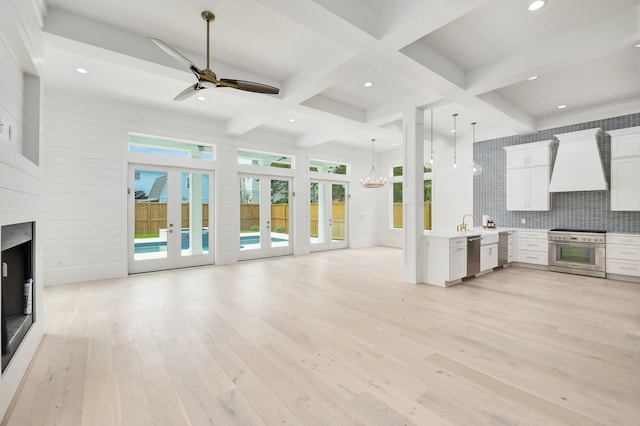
623, 254
488, 257
511, 253
445, 260
489, 252
532, 246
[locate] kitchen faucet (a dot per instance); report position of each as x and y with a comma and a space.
463, 226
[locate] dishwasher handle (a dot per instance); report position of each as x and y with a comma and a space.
470, 239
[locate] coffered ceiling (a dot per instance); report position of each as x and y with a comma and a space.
471, 57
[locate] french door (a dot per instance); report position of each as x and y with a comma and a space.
265, 228
328, 215
170, 218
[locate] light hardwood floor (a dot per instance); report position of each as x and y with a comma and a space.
336, 338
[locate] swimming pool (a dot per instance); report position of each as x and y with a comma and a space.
160, 246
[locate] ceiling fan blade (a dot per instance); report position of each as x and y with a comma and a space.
249, 86
175, 54
189, 91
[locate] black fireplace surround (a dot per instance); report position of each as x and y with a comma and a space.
17, 268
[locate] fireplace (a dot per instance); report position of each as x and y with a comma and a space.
16, 287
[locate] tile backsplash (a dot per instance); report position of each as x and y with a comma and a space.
580, 210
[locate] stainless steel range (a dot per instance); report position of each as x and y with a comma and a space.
577, 251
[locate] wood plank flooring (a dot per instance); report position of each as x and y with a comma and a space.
336, 338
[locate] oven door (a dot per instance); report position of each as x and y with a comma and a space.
576, 257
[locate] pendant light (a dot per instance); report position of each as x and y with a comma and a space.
373, 181
455, 157
477, 168
431, 157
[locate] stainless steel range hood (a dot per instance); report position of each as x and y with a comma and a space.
578, 166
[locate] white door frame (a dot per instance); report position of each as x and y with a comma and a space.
325, 219
175, 256
267, 247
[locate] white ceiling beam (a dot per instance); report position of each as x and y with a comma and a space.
558, 51
406, 21
89, 32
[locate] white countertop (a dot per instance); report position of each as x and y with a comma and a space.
462, 234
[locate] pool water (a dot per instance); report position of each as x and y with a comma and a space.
159, 246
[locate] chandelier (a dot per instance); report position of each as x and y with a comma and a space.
373, 181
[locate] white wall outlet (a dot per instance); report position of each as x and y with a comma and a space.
523, 221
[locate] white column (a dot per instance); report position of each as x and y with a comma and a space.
413, 194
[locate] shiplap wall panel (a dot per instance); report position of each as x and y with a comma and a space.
11, 100
84, 201
20, 179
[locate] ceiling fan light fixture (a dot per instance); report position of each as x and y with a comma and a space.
206, 77
536, 4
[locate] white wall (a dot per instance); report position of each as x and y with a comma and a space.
452, 190
85, 165
20, 175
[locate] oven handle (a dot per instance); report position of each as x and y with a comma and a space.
572, 244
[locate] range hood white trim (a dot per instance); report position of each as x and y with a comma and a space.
578, 166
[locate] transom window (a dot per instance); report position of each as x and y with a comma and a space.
322, 166
171, 148
268, 159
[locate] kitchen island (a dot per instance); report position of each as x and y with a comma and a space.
447, 254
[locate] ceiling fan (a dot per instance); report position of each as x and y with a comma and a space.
206, 77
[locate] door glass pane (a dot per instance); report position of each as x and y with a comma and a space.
150, 214
249, 213
279, 213
194, 214
427, 204
397, 204
317, 217
338, 212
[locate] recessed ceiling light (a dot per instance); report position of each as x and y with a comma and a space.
637, 45
533, 77
453, 130
201, 98
394, 144
292, 120
562, 106
368, 84
536, 4
82, 70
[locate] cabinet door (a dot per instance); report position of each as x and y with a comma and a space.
517, 189
531, 157
488, 257
538, 183
458, 263
625, 145
625, 190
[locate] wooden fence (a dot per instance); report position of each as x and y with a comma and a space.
397, 215
250, 217
151, 217
337, 220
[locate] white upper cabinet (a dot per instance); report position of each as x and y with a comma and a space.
528, 173
625, 169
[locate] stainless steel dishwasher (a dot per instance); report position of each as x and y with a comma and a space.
503, 248
473, 254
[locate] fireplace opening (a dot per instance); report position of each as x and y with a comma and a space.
16, 310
